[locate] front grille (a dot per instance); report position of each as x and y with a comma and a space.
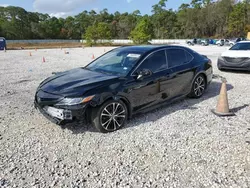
44, 98
235, 60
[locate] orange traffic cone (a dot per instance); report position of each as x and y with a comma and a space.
44, 60
93, 56
222, 108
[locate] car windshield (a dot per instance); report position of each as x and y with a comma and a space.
241, 46
116, 62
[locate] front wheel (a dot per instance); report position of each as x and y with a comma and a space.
110, 116
198, 87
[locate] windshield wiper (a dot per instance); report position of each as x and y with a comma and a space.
102, 71
87, 69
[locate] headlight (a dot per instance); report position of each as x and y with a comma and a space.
74, 101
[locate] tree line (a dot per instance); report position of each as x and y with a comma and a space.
200, 18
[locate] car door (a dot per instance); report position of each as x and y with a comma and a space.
180, 68
146, 92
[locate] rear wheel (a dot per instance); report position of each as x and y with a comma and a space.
109, 117
198, 87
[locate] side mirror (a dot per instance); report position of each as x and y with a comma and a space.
144, 73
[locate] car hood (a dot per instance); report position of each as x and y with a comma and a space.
236, 53
75, 82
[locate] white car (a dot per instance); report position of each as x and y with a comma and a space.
236, 58
225, 42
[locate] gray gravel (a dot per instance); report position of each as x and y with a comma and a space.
181, 145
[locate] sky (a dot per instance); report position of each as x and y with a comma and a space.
63, 8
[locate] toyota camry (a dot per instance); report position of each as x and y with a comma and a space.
123, 82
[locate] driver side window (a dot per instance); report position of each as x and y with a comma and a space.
155, 62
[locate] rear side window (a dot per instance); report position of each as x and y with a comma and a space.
177, 57
155, 62
189, 57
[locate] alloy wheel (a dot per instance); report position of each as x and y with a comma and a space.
199, 86
113, 116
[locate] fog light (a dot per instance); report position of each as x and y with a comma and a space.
67, 115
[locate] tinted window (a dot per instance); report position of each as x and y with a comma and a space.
118, 62
177, 57
241, 46
189, 57
155, 62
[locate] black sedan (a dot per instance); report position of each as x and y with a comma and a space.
236, 58
122, 82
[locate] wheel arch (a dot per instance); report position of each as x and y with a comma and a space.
117, 97
203, 73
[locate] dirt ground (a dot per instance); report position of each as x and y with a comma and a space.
180, 145
25, 46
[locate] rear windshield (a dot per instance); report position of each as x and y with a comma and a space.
241, 46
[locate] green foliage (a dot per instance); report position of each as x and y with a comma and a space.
142, 32
91, 35
237, 19
103, 30
199, 18
97, 32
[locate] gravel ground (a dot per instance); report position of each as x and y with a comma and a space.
180, 145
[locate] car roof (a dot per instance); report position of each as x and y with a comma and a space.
147, 48
143, 48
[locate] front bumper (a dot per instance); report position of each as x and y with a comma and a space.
59, 115
68, 116
222, 64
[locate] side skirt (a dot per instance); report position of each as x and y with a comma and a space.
160, 104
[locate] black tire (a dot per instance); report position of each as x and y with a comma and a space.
105, 117
198, 87
220, 69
